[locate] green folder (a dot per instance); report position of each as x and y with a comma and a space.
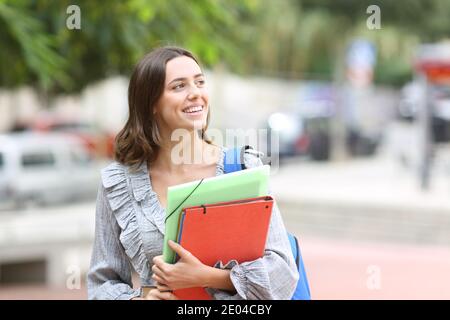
242, 184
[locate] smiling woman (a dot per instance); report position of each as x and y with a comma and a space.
184, 101
168, 93
156, 97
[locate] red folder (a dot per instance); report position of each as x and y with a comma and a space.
235, 230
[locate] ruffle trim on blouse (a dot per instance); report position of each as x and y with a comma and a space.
114, 179
143, 193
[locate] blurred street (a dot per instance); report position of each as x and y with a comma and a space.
348, 101
366, 218
345, 230
336, 270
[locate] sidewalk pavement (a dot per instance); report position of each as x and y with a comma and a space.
336, 269
366, 230
358, 270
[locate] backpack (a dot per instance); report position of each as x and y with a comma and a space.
234, 162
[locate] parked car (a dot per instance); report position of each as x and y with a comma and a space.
299, 135
45, 168
98, 143
305, 128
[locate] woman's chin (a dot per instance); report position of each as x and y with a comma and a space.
193, 123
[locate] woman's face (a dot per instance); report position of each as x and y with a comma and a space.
184, 102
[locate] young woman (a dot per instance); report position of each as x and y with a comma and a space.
167, 93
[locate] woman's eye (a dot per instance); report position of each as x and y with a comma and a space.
201, 82
179, 86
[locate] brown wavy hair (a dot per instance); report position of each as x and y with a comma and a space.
139, 140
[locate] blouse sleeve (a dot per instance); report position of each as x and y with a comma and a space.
272, 277
109, 276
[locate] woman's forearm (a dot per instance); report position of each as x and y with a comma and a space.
218, 279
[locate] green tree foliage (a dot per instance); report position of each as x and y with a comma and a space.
404, 25
28, 53
425, 18
287, 38
38, 49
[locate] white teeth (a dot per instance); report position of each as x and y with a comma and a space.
193, 109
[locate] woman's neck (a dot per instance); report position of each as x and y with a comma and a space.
181, 156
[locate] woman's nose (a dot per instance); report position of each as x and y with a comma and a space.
194, 92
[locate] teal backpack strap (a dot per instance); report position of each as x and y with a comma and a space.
302, 291
234, 159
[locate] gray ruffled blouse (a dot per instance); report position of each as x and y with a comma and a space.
129, 232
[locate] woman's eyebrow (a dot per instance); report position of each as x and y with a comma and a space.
181, 79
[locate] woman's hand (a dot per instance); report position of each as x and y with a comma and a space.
156, 294
188, 272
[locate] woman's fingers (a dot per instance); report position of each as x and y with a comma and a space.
159, 280
183, 253
162, 287
159, 262
152, 295
158, 273
155, 294
168, 296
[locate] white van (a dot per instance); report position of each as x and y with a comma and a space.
45, 168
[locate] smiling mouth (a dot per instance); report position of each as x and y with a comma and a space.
193, 109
